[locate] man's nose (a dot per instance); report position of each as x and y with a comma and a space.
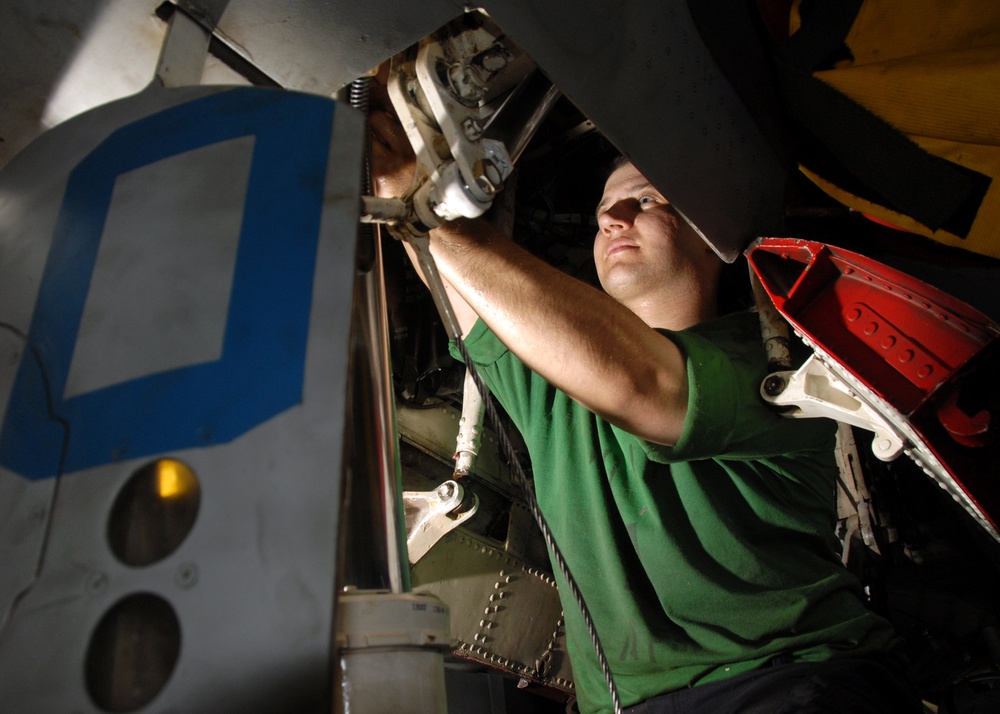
616, 217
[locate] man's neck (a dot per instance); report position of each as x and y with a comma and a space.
675, 310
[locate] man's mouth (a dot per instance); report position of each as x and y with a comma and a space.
620, 245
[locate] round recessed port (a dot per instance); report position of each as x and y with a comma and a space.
132, 653
153, 512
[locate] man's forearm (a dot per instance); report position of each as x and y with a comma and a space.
465, 315
575, 336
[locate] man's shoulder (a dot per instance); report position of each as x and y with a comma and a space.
482, 345
734, 332
737, 326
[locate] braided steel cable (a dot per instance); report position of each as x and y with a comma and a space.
359, 98
507, 447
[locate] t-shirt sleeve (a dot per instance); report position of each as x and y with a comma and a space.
726, 416
483, 346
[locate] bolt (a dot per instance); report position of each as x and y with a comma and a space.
774, 385
472, 128
484, 183
542, 665
488, 176
97, 583
186, 576
494, 61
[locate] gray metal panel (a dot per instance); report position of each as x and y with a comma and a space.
320, 46
639, 70
61, 57
504, 612
641, 73
252, 585
188, 285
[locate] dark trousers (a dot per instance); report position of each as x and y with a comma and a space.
844, 686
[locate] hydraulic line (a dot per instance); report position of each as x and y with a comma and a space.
514, 125
507, 447
374, 531
427, 264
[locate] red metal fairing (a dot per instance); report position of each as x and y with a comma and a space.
924, 360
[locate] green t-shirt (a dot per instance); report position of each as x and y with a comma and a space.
698, 561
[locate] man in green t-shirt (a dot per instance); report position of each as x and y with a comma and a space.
697, 523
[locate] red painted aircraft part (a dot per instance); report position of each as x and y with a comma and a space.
929, 356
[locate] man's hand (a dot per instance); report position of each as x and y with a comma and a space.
578, 338
393, 164
392, 158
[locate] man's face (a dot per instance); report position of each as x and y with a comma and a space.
642, 243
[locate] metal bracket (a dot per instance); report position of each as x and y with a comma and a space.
182, 57
446, 93
470, 427
430, 515
819, 388
438, 96
454, 78
855, 504
815, 390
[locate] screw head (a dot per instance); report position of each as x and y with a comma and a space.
774, 385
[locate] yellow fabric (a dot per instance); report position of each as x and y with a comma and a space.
931, 69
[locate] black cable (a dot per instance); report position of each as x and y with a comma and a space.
507, 447
359, 98
50, 403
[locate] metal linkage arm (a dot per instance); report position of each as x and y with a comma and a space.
894, 355
430, 515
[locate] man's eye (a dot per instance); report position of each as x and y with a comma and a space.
646, 199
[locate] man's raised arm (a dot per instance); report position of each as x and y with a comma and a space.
576, 337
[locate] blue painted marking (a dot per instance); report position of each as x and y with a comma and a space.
260, 371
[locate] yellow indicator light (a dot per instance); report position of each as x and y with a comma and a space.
154, 512
173, 479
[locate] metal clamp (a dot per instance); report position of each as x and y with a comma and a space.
815, 390
430, 515
446, 93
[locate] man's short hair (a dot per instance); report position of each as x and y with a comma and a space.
616, 162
